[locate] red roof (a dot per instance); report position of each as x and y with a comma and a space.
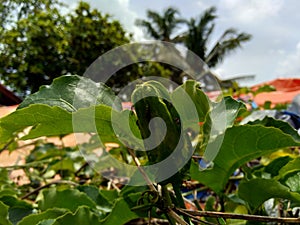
7, 97
286, 90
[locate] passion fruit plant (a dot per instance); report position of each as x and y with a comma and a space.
254, 178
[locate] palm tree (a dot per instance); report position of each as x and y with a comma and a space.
198, 36
161, 26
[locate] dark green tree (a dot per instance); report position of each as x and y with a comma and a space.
44, 44
32, 50
91, 34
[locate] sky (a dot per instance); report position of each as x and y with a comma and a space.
273, 52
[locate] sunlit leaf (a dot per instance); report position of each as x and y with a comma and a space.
53, 121
72, 92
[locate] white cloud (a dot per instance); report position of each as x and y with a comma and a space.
252, 10
290, 65
120, 10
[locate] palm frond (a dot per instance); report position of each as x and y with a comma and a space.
228, 42
161, 26
148, 28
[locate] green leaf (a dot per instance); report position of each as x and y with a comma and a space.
4, 214
280, 124
124, 206
17, 208
291, 167
17, 213
240, 145
7, 192
82, 216
233, 109
274, 166
110, 195
46, 215
64, 164
257, 191
94, 193
72, 92
47, 222
199, 98
54, 121
68, 199
265, 88
293, 182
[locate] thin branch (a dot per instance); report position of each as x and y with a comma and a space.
138, 164
31, 164
176, 217
240, 216
195, 218
47, 185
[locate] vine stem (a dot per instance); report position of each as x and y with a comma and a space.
239, 216
138, 164
180, 199
47, 185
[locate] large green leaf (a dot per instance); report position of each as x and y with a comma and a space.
240, 145
34, 219
69, 199
82, 216
47, 121
54, 121
257, 191
72, 92
280, 124
4, 214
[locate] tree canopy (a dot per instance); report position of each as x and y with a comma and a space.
39, 43
43, 44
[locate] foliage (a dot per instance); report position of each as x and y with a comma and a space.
65, 187
43, 43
